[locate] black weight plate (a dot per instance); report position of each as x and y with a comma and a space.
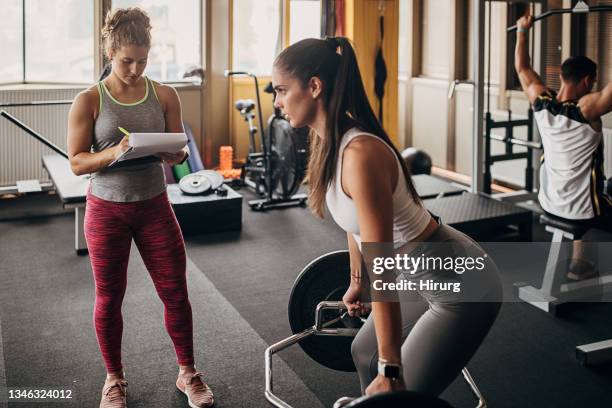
398, 399
325, 278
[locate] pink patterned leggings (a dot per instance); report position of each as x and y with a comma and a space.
109, 229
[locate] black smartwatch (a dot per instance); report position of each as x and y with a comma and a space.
389, 370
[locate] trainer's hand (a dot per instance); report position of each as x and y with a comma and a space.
173, 158
121, 147
384, 384
351, 299
525, 22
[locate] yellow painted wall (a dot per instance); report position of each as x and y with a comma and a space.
362, 27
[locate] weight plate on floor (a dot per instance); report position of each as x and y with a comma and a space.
398, 399
195, 184
325, 278
215, 178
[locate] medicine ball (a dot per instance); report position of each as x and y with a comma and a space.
418, 161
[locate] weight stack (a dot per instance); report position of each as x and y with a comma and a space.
201, 214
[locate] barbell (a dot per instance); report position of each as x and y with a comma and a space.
321, 326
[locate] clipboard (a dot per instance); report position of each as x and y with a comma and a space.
147, 144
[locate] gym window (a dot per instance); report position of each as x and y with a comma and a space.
11, 27
304, 20
47, 41
176, 46
404, 28
52, 41
254, 45
256, 35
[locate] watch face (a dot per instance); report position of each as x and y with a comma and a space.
392, 371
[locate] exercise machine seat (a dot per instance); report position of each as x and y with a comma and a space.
573, 228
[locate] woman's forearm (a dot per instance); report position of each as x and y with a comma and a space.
87, 162
355, 259
388, 322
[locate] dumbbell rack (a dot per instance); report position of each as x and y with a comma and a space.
321, 328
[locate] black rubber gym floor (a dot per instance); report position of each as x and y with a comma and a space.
239, 288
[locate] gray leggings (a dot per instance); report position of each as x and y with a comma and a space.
439, 338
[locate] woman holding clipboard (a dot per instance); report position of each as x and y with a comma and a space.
128, 201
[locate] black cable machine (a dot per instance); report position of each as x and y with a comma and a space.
509, 140
586, 354
510, 124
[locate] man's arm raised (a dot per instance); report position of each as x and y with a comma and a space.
530, 81
596, 104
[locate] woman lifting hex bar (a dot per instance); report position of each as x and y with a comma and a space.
355, 169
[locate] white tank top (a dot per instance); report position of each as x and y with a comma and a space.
570, 144
409, 218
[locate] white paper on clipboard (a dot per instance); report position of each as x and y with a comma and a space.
147, 144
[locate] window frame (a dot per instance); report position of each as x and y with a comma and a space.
284, 33
282, 39
100, 8
24, 59
287, 19
107, 5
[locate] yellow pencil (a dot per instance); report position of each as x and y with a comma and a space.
125, 132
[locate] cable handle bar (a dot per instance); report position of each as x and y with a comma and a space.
320, 326
580, 8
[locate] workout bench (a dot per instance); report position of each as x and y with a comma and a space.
475, 214
71, 190
195, 214
554, 292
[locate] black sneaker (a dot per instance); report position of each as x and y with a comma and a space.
581, 270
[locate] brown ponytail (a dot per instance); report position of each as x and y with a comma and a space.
347, 107
126, 26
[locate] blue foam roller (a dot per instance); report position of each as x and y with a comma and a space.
194, 159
